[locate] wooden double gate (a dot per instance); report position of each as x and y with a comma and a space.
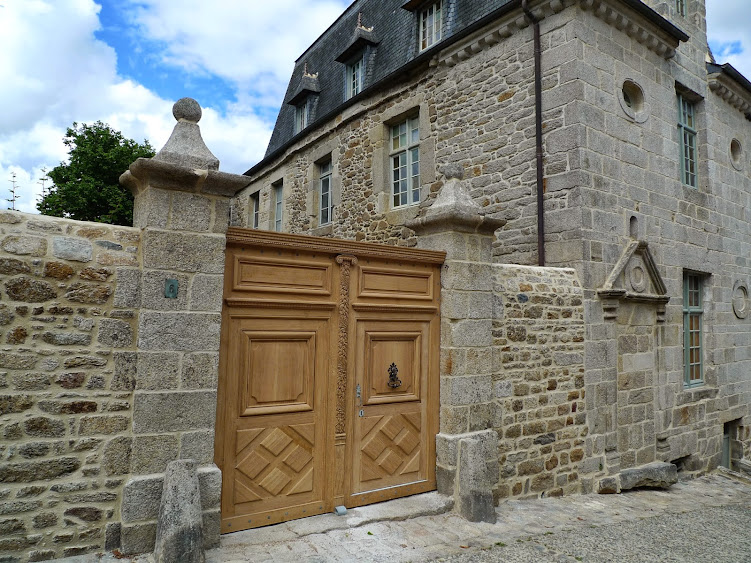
328, 390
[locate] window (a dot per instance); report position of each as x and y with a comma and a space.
301, 116
354, 77
255, 200
687, 130
680, 7
278, 206
431, 23
693, 310
325, 201
405, 162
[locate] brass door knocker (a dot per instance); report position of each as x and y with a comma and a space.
394, 381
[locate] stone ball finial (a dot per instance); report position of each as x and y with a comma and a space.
187, 109
453, 170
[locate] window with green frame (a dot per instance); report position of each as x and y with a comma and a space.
693, 312
687, 131
680, 7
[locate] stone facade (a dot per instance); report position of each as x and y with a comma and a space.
538, 381
555, 379
616, 212
66, 391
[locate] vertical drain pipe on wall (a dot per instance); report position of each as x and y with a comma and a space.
538, 133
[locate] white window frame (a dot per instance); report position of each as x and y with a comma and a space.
278, 206
325, 199
431, 25
404, 158
355, 74
255, 204
301, 116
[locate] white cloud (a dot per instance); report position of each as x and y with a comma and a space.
58, 73
251, 44
728, 23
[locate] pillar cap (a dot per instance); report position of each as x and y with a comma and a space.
454, 209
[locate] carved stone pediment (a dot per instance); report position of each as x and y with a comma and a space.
635, 277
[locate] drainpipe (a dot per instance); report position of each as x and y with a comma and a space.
538, 133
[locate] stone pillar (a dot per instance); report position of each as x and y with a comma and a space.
182, 206
456, 224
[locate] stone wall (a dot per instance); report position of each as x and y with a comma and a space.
538, 382
109, 358
476, 111
612, 177
641, 409
66, 385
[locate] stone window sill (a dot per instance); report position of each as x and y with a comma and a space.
401, 215
325, 230
696, 394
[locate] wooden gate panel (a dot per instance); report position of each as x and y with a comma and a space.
276, 401
395, 349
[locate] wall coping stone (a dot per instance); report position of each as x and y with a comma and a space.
168, 176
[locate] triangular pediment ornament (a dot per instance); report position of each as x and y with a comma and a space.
635, 277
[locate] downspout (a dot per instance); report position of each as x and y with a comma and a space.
538, 133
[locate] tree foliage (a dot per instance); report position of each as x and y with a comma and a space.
86, 188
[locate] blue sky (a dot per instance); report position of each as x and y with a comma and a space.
138, 59
125, 62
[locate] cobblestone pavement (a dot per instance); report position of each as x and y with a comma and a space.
702, 520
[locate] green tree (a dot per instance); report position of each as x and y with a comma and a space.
86, 188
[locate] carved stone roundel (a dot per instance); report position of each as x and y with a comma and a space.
638, 279
740, 300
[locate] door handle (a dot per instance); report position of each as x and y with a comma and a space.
394, 381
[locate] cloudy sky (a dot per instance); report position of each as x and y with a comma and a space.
125, 62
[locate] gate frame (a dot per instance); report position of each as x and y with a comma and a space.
346, 253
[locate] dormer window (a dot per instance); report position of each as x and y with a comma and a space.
431, 25
356, 54
305, 99
301, 116
354, 77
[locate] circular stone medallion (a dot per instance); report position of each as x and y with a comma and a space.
740, 300
638, 278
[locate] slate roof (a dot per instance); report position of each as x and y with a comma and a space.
390, 49
732, 72
396, 31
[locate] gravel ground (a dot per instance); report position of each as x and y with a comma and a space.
716, 535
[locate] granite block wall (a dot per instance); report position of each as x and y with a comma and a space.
612, 176
641, 408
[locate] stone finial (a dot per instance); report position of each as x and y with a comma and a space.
360, 24
187, 109
185, 147
451, 171
454, 208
